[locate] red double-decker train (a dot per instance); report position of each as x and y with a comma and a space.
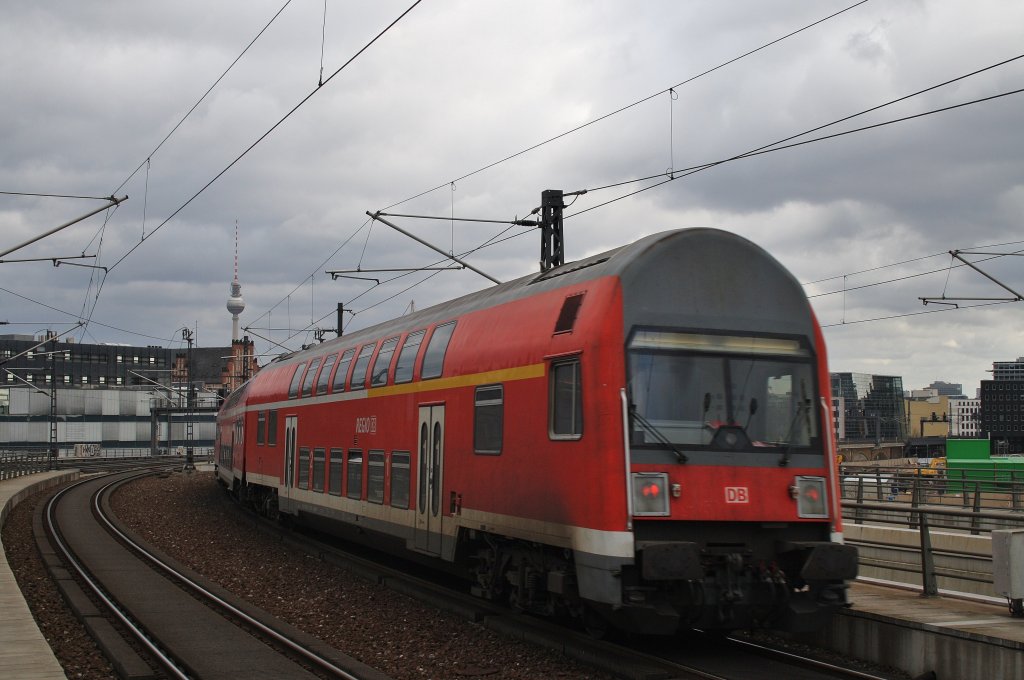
642, 438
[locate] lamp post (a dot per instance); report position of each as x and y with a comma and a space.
190, 399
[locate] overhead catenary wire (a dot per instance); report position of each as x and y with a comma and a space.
323, 82
75, 316
779, 145
631, 105
686, 172
264, 135
918, 313
908, 276
305, 99
453, 237
492, 241
203, 98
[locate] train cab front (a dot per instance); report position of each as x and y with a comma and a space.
732, 511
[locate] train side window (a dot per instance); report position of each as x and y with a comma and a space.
433, 359
293, 389
400, 479
375, 477
334, 473
362, 363
341, 372
379, 372
407, 357
567, 316
307, 384
319, 463
325, 374
261, 427
354, 479
488, 419
272, 428
303, 468
565, 399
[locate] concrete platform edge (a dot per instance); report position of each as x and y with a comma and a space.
917, 648
17, 617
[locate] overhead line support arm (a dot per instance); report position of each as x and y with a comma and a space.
956, 254
113, 201
377, 216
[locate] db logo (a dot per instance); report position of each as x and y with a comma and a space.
737, 494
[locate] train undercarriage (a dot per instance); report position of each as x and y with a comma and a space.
673, 586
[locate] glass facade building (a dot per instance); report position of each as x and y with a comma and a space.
872, 407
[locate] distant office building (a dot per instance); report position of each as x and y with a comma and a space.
839, 417
1008, 370
873, 407
965, 418
945, 389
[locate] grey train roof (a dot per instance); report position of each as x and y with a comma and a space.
673, 278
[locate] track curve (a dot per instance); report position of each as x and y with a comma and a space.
190, 638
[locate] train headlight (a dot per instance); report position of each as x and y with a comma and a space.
811, 498
650, 494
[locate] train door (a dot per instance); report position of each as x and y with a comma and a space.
428, 497
290, 425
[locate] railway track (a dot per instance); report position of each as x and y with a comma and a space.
102, 551
699, 655
176, 626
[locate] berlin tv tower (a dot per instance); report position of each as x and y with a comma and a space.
235, 303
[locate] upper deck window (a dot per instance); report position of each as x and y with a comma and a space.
341, 372
362, 363
325, 374
407, 357
307, 383
293, 389
433, 360
379, 373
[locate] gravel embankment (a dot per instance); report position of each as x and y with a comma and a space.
74, 648
190, 518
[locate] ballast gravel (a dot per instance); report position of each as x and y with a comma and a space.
190, 518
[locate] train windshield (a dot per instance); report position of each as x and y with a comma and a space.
721, 392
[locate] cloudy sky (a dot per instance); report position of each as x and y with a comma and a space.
419, 121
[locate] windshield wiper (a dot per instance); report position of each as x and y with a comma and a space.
657, 434
804, 407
